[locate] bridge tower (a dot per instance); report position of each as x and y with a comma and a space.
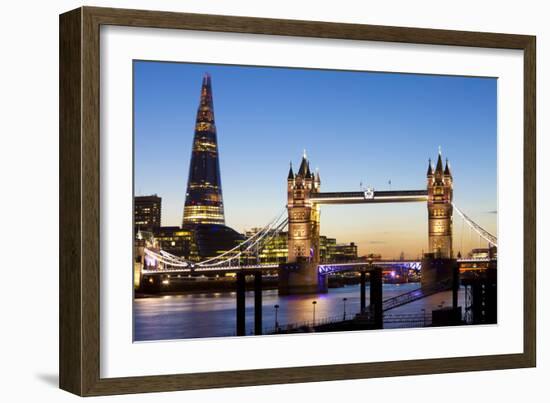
439, 265
300, 274
440, 209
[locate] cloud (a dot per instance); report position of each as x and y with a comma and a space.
377, 242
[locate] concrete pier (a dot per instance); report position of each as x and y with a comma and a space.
301, 277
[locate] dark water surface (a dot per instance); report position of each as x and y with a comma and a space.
213, 314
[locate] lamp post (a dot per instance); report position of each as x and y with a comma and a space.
276, 318
314, 303
344, 300
424, 316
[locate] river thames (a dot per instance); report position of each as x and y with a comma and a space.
213, 314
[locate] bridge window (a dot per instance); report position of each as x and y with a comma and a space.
439, 212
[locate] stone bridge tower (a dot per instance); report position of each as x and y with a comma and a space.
439, 265
303, 216
440, 210
300, 274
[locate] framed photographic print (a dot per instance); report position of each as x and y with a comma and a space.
376, 215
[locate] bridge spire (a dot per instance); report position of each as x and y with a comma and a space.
430, 168
439, 166
308, 172
290, 172
447, 171
303, 167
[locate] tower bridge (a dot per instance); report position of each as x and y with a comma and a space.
304, 216
305, 273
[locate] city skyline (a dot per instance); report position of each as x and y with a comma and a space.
267, 116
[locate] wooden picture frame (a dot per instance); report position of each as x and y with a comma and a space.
79, 201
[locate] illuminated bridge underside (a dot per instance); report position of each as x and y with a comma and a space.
379, 196
354, 266
403, 264
324, 268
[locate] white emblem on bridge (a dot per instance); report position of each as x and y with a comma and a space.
369, 193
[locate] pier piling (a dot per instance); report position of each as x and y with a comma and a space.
258, 302
241, 306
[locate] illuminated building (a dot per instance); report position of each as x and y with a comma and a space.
178, 241
342, 252
197, 242
203, 200
330, 251
276, 250
214, 239
440, 209
147, 212
484, 253
326, 245
479, 259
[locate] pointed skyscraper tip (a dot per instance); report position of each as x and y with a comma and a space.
447, 168
290, 172
430, 168
439, 166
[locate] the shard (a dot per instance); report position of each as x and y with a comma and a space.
203, 200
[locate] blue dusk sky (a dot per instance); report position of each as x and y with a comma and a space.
357, 127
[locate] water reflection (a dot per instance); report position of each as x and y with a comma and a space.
213, 314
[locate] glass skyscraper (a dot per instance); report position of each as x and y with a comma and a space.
203, 200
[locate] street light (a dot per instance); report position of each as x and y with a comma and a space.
344, 300
424, 316
314, 303
276, 321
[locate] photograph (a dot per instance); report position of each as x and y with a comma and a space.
350, 200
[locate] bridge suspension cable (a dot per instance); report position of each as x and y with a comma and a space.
253, 240
261, 237
271, 233
478, 229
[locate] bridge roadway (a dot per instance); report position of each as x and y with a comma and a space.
370, 196
324, 268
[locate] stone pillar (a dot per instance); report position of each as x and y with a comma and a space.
301, 277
